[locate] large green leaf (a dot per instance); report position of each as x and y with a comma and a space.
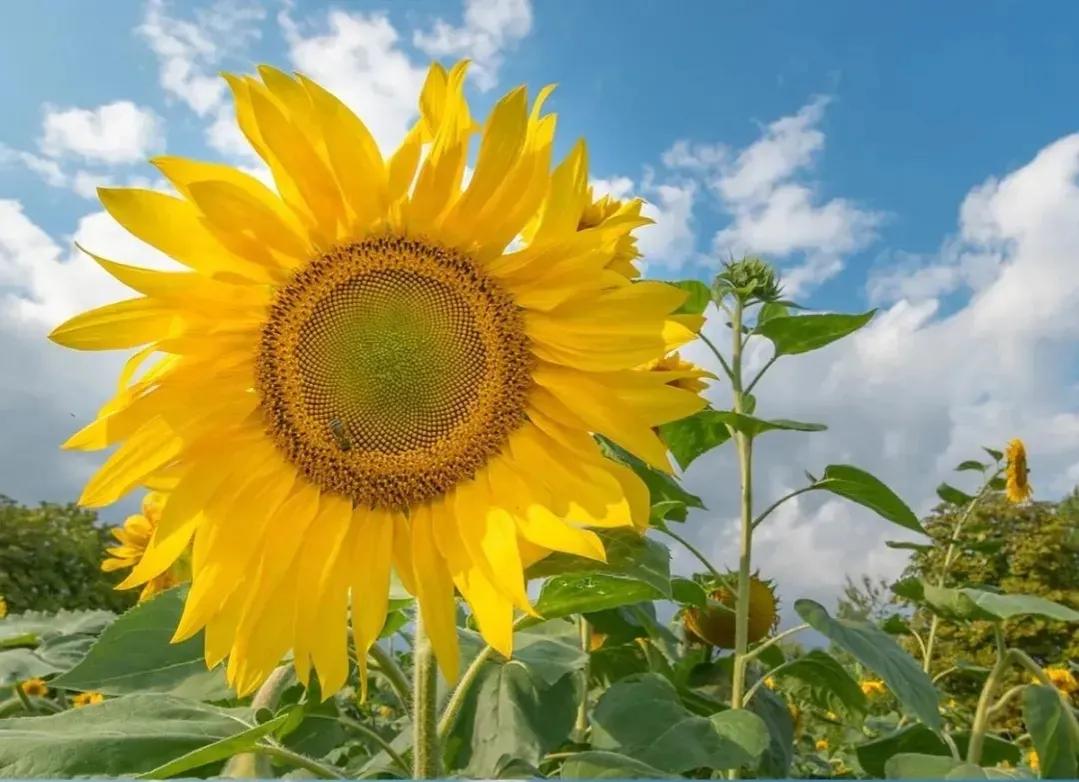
662, 488
58, 653
861, 487
637, 569
609, 765
44, 626
968, 603
878, 652
775, 761
695, 435
219, 750
1053, 731
748, 425
520, 709
872, 755
793, 334
642, 717
120, 737
910, 765
700, 296
825, 683
134, 654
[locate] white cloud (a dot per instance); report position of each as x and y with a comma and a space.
489, 28
49, 170
118, 132
358, 57
918, 391
188, 51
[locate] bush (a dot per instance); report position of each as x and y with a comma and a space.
50, 559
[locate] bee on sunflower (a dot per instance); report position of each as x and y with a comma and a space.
376, 366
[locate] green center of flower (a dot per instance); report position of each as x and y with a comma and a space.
391, 370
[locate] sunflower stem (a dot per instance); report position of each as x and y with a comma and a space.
744, 444
372, 734
425, 745
24, 699
580, 727
388, 667
296, 760
249, 765
949, 557
985, 700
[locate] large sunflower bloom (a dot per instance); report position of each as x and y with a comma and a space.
1017, 485
134, 537
376, 364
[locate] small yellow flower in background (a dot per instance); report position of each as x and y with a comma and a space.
1017, 487
1033, 761
952, 703
134, 537
822, 745
87, 699
796, 718
3, 608
386, 712
873, 687
681, 373
1063, 679
831, 715
770, 682
34, 688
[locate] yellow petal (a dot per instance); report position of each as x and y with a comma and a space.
567, 197
370, 566
152, 446
125, 324
434, 591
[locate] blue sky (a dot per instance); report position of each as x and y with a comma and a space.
918, 157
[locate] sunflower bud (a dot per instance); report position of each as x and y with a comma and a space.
749, 280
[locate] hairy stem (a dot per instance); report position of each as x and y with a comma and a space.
425, 745
580, 727
981, 713
388, 667
372, 734
249, 765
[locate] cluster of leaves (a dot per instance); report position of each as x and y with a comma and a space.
50, 559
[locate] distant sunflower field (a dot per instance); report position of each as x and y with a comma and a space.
404, 432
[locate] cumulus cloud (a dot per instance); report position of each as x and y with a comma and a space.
358, 57
118, 132
921, 388
489, 28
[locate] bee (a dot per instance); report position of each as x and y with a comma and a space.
337, 429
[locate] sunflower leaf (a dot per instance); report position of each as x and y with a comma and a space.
953, 496
135, 654
792, 334
698, 434
970, 464
878, 652
700, 296
873, 755
1052, 730
861, 487
661, 487
824, 683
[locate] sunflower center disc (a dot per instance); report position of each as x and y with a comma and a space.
392, 369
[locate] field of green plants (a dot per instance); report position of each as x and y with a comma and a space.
964, 668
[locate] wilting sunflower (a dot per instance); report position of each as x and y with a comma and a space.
1017, 486
134, 537
86, 699
376, 363
715, 625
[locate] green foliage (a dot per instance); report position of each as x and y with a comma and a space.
50, 559
1054, 736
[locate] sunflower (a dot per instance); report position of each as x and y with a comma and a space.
35, 688
1063, 679
715, 625
3, 608
376, 365
134, 536
822, 745
871, 687
1018, 488
1033, 761
87, 699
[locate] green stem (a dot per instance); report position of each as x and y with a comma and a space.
297, 760
779, 502
362, 729
580, 727
757, 684
1004, 699
247, 765
949, 556
694, 551
981, 713
774, 640
722, 361
388, 667
745, 466
24, 699
760, 374
425, 745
